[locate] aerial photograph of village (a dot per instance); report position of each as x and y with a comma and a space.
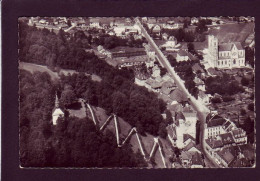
136, 92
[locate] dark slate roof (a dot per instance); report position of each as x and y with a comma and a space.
172, 132
229, 46
248, 150
197, 67
227, 124
191, 145
242, 162
202, 94
213, 143
227, 138
216, 122
238, 133
178, 95
226, 155
187, 136
182, 53
197, 159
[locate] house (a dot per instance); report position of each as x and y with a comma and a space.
170, 44
225, 157
156, 71
190, 159
156, 29
131, 61
197, 69
188, 139
192, 147
167, 87
239, 136
151, 21
186, 158
94, 23
130, 52
197, 161
227, 139
191, 28
165, 36
212, 145
194, 20
178, 96
202, 97
185, 127
199, 84
214, 126
57, 112
153, 84
225, 55
171, 133
183, 55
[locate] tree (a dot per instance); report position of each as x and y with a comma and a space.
172, 60
250, 56
191, 48
244, 81
69, 23
251, 107
163, 71
120, 103
68, 97
202, 26
169, 119
216, 100
243, 112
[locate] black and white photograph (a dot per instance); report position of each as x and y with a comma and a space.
137, 92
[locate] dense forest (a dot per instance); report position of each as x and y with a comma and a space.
44, 145
135, 104
72, 142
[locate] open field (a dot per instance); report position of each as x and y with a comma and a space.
54, 75
80, 111
38, 68
233, 32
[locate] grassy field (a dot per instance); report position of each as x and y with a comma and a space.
79, 112
233, 32
54, 75
38, 68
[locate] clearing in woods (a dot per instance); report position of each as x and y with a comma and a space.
54, 75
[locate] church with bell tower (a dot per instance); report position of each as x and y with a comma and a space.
225, 55
57, 112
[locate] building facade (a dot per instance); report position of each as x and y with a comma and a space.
226, 55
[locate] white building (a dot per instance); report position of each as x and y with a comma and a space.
186, 126
57, 112
170, 44
226, 55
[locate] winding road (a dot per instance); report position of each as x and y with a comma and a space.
202, 110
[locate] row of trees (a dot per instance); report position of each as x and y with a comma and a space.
72, 142
184, 70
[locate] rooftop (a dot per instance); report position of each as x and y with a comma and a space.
213, 143
229, 46
226, 155
227, 138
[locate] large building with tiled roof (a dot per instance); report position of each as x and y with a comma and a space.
225, 55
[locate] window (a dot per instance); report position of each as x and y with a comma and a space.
234, 61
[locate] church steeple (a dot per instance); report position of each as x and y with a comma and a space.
57, 101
